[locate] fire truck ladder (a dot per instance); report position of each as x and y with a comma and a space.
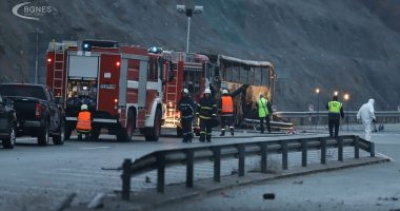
172, 97
58, 75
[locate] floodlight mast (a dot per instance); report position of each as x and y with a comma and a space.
189, 13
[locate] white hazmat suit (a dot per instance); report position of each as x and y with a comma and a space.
367, 115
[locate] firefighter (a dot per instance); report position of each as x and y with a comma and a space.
264, 111
84, 122
207, 112
186, 107
335, 110
226, 112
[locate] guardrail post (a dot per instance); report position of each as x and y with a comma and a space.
372, 149
264, 160
284, 155
356, 147
160, 173
241, 159
217, 163
303, 152
323, 150
340, 148
126, 178
189, 168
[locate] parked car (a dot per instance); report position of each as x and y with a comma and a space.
8, 123
38, 113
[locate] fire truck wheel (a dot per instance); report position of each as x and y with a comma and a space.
60, 138
121, 136
43, 136
153, 133
95, 133
130, 128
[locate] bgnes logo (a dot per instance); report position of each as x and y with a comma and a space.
31, 12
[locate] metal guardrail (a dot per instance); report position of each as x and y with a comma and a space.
160, 160
321, 117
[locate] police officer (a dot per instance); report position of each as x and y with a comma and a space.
335, 110
264, 111
226, 107
207, 112
186, 107
84, 122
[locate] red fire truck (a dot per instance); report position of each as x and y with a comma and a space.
122, 86
189, 72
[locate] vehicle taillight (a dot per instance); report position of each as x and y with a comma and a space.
118, 64
49, 60
38, 112
115, 103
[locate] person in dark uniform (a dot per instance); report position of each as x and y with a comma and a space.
207, 112
186, 107
335, 110
226, 108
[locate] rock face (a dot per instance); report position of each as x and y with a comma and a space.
346, 46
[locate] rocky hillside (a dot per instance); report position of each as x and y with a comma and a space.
346, 46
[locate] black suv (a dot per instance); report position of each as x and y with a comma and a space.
8, 122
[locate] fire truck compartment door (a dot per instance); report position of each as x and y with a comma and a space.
83, 66
142, 84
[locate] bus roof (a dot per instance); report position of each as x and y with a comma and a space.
246, 62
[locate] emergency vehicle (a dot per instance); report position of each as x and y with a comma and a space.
189, 71
122, 86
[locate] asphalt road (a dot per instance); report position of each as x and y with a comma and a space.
33, 176
373, 187
40, 178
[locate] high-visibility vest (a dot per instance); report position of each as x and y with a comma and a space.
227, 104
84, 121
262, 107
334, 106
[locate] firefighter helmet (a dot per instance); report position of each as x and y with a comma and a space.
185, 91
84, 107
207, 91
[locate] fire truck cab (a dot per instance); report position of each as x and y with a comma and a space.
122, 86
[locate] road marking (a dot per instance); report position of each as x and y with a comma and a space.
94, 148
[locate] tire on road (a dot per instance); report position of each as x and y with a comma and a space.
153, 133
43, 136
60, 138
9, 142
95, 134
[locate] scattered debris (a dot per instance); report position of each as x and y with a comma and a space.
269, 196
388, 199
291, 131
226, 195
66, 202
97, 201
298, 182
148, 180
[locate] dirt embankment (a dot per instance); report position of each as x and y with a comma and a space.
346, 46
